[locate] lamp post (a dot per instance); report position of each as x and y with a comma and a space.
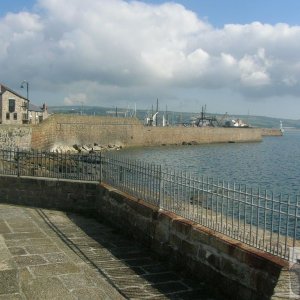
27, 94
27, 88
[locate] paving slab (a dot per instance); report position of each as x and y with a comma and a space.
8, 271
57, 255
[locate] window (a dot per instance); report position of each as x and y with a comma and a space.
15, 116
25, 105
7, 116
11, 105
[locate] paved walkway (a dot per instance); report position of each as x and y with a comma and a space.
47, 254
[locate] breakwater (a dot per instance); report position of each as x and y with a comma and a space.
63, 129
129, 132
271, 132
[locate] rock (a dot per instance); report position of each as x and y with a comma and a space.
87, 148
97, 148
84, 148
76, 147
63, 149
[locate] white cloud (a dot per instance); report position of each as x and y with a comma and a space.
105, 49
253, 69
75, 99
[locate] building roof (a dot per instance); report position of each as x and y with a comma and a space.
33, 107
2, 86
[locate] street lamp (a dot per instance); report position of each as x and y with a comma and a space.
27, 87
27, 95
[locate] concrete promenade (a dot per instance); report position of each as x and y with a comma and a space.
47, 254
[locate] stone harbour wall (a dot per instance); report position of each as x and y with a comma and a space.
61, 130
129, 132
236, 270
271, 132
15, 136
67, 130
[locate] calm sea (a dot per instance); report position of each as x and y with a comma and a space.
272, 164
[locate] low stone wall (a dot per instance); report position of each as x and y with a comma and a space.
64, 195
236, 270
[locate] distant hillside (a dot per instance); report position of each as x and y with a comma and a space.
173, 117
268, 122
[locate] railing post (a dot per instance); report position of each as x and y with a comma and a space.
18, 163
121, 174
78, 165
100, 166
160, 191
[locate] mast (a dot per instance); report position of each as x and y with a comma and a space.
156, 111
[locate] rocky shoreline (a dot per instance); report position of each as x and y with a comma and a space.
91, 148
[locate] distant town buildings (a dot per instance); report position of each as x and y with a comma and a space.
16, 109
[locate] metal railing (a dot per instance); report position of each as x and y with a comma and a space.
259, 218
256, 217
51, 164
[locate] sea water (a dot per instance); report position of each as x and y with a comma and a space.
273, 164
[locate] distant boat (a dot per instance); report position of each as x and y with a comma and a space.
281, 128
236, 123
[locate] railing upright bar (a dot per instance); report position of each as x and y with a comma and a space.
144, 179
205, 186
295, 226
18, 162
279, 223
211, 187
245, 214
100, 167
272, 221
184, 193
287, 226
257, 218
200, 202
176, 179
251, 215
194, 200
139, 172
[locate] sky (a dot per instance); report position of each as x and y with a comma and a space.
239, 57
